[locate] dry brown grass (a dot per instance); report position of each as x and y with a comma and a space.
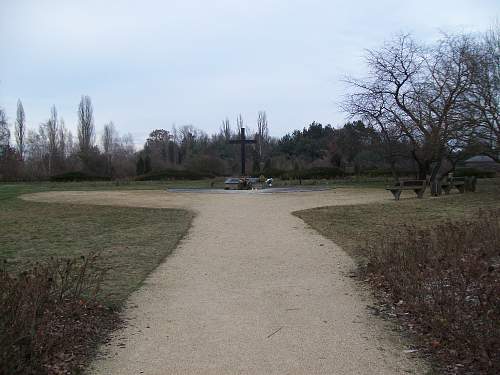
444, 285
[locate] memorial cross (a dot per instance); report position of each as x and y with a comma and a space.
242, 141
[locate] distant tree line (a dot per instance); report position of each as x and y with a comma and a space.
52, 152
421, 110
52, 149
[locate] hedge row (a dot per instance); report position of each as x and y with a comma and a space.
174, 174
312, 173
77, 177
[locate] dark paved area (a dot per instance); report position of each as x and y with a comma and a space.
290, 189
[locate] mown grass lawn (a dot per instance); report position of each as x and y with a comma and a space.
352, 227
132, 241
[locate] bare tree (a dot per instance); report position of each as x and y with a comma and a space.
484, 98
225, 129
62, 139
20, 129
123, 156
370, 108
35, 153
70, 146
4, 133
52, 133
86, 131
417, 93
108, 138
108, 141
239, 122
174, 149
127, 144
188, 136
262, 136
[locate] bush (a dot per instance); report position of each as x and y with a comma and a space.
320, 172
174, 174
306, 174
77, 177
387, 173
445, 284
470, 172
273, 172
50, 318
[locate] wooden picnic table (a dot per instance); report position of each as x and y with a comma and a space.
418, 187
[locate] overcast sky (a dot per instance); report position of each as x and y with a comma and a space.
149, 64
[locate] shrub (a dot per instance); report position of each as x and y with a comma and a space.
174, 174
76, 177
386, 173
273, 172
321, 172
445, 284
49, 317
307, 174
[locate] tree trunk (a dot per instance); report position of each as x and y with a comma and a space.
435, 179
424, 166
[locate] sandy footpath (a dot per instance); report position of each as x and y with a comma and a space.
250, 290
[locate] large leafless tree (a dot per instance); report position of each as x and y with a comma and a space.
416, 93
484, 97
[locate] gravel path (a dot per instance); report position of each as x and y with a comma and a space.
250, 290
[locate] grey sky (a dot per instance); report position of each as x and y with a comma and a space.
149, 64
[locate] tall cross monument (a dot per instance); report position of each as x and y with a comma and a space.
243, 142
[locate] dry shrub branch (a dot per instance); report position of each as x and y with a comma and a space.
444, 284
50, 317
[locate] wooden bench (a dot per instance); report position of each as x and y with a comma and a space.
418, 186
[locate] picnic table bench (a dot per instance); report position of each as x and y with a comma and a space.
418, 186
449, 183
462, 184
